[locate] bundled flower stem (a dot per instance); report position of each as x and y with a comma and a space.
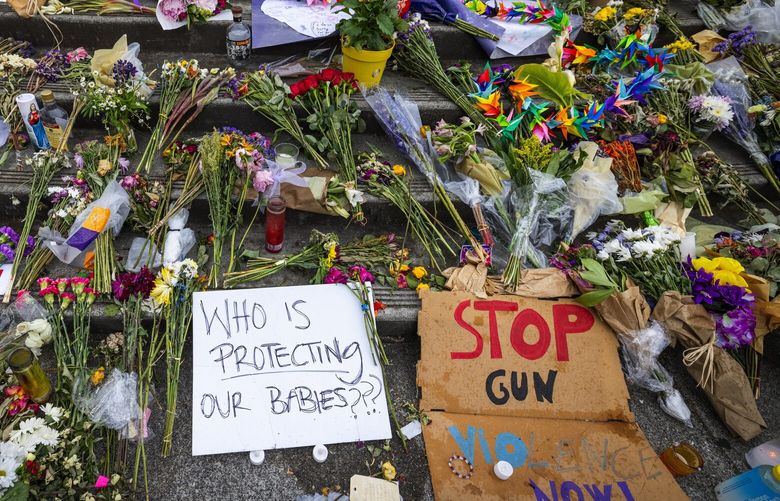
110, 7
385, 181
186, 90
326, 101
320, 254
269, 96
173, 291
362, 291
400, 119
416, 54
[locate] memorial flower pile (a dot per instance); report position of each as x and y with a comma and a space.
192, 11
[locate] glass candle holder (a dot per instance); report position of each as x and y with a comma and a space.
30, 375
286, 155
682, 459
274, 224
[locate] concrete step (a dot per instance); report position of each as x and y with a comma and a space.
398, 320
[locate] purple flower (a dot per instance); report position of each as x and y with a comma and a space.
53, 65
335, 276
78, 160
30, 246
124, 164
362, 274
7, 252
10, 233
735, 328
123, 71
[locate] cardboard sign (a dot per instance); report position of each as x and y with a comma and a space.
552, 459
536, 383
515, 356
283, 367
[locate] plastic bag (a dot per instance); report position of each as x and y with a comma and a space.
763, 18
179, 240
593, 187
543, 217
143, 252
113, 404
640, 354
106, 213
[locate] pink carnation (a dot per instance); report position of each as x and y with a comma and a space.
262, 180
175, 10
209, 5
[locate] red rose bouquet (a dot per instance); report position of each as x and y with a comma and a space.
330, 112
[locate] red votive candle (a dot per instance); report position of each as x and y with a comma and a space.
274, 224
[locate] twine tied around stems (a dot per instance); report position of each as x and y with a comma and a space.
692, 356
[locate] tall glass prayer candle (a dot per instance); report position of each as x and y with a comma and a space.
30, 375
274, 224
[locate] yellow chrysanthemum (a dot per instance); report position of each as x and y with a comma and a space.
728, 264
404, 268
163, 287
98, 376
605, 14
399, 170
681, 44
224, 139
662, 119
419, 272
422, 287
634, 12
388, 470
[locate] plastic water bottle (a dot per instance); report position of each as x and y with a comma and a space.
762, 483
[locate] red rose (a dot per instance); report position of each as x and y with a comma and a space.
330, 74
311, 82
295, 90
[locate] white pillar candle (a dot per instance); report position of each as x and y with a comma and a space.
688, 247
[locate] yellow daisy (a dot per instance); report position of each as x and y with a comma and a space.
163, 287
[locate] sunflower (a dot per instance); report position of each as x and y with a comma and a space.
163, 287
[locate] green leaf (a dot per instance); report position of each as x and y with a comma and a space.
19, 492
593, 298
596, 274
385, 24
551, 85
411, 281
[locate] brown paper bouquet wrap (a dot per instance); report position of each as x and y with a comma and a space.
721, 377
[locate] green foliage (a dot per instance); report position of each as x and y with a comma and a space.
371, 24
551, 85
604, 286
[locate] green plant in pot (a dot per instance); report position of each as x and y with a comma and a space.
367, 37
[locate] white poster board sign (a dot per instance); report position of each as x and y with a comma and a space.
311, 20
283, 367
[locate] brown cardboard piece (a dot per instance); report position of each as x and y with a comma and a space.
576, 435
555, 376
570, 456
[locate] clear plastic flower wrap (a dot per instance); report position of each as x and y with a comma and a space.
762, 17
593, 188
732, 82
113, 403
108, 212
640, 355
179, 240
543, 216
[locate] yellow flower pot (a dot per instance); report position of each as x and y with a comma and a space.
367, 65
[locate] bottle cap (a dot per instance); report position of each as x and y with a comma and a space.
20, 359
236, 10
776, 472
503, 470
320, 453
276, 205
47, 96
257, 457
